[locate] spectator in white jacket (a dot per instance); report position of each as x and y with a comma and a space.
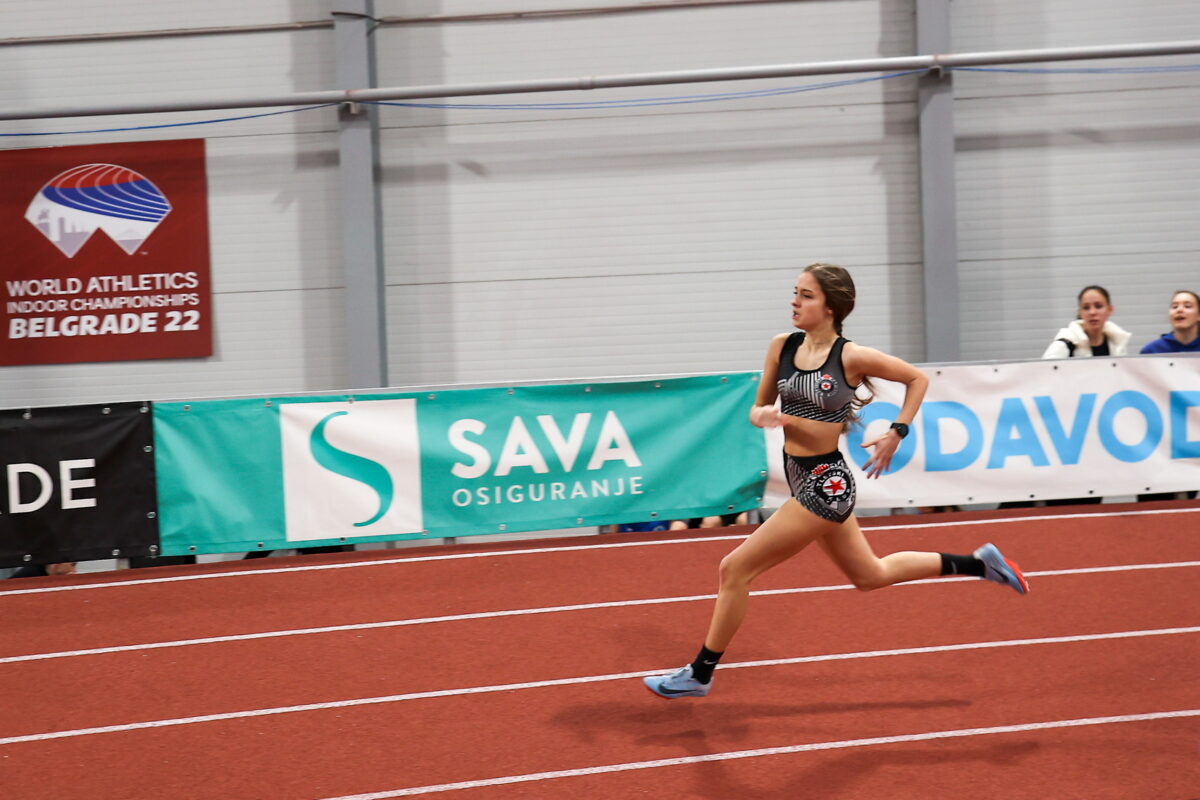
1093, 333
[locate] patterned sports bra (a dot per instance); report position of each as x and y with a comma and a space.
822, 394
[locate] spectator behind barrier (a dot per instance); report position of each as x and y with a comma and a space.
722, 521
42, 570
333, 548
640, 527
1184, 316
1092, 333
680, 524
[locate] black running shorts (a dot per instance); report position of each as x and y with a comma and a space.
822, 484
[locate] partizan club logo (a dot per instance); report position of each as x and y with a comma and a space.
833, 485
351, 469
74, 204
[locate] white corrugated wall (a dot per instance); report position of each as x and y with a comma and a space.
531, 244
1066, 180
276, 272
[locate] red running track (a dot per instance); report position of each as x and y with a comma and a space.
1085, 688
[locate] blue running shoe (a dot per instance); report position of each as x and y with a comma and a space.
998, 569
678, 684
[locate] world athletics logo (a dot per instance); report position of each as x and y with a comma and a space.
123, 203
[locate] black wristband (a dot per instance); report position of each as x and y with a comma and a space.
900, 428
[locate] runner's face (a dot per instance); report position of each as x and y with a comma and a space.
1094, 310
808, 303
1184, 314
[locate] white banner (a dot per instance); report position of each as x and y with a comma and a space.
1031, 430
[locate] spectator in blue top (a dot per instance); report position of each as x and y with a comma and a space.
1184, 337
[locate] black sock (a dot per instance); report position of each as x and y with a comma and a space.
961, 565
705, 663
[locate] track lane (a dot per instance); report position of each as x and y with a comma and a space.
368, 737
119, 688
1128, 761
333, 753
277, 600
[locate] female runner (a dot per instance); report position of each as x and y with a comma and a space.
815, 372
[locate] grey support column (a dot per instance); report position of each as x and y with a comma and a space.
939, 218
360, 209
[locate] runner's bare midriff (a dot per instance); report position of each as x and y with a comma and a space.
810, 437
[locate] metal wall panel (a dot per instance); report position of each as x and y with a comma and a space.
76, 17
1029, 24
278, 319
266, 343
272, 186
666, 238
664, 40
985, 25
674, 39
273, 213
696, 203
1066, 180
539, 244
155, 70
648, 324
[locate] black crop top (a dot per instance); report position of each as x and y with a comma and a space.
822, 394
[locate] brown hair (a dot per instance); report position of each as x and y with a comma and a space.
838, 287
1094, 288
840, 294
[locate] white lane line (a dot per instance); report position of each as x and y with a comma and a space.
1039, 518
354, 564
540, 550
509, 687
399, 623
771, 751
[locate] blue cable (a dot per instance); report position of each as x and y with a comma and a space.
1081, 70
649, 101
175, 124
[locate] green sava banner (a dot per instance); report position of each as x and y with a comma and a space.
274, 473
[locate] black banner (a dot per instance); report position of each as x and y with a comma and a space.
77, 484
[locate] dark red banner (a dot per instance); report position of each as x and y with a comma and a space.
106, 253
